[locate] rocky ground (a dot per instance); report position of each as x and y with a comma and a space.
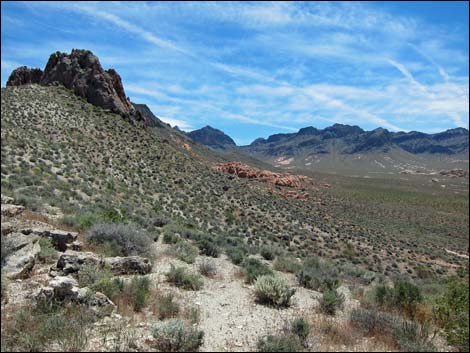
228, 313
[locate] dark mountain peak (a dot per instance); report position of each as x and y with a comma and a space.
81, 72
309, 130
211, 137
149, 118
340, 130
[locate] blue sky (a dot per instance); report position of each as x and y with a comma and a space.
254, 69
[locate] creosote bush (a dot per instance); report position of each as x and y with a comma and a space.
280, 343
176, 336
273, 290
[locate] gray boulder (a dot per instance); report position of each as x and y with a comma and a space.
72, 261
19, 254
59, 238
128, 265
9, 210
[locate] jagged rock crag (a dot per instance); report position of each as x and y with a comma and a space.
24, 76
81, 72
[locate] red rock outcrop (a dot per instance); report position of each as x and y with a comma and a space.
244, 171
24, 76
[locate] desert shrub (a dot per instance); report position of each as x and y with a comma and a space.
160, 221
404, 296
181, 278
300, 328
413, 337
48, 252
330, 301
207, 268
253, 268
452, 313
318, 275
287, 264
170, 238
34, 329
267, 252
236, 255
273, 290
372, 321
100, 280
280, 343
139, 291
175, 336
185, 251
166, 307
208, 248
127, 239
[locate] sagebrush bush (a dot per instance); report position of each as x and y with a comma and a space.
181, 278
175, 336
331, 301
127, 239
48, 252
413, 337
373, 321
167, 307
273, 291
287, 264
280, 343
403, 296
185, 251
319, 275
207, 268
236, 255
253, 268
139, 291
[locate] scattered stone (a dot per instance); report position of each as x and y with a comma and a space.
72, 261
7, 200
8, 210
128, 265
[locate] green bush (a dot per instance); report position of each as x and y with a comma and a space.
253, 268
318, 275
273, 291
287, 264
208, 248
170, 238
267, 253
139, 292
127, 239
180, 278
452, 313
413, 337
175, 336
404, 296
300, 328
166, 307
372, 321
330, 301
100, 280
48, 252
236, 255
281, 343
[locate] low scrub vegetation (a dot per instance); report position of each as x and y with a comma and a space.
273, 290
180, 277
319, 275
176, 336
253, 268
331, 301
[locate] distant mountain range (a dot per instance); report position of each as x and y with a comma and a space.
344, 146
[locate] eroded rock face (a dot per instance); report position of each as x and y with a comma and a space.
21, 253
8, 210
24, 76
244, 171
455, 173
72, 261
128, 265
82, 72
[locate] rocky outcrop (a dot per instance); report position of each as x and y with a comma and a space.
24, 76
280, 179
455, 173
59, 238
81, 72
213, 138
63, 289
8, 210
19, 254
128, 265
72, 262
